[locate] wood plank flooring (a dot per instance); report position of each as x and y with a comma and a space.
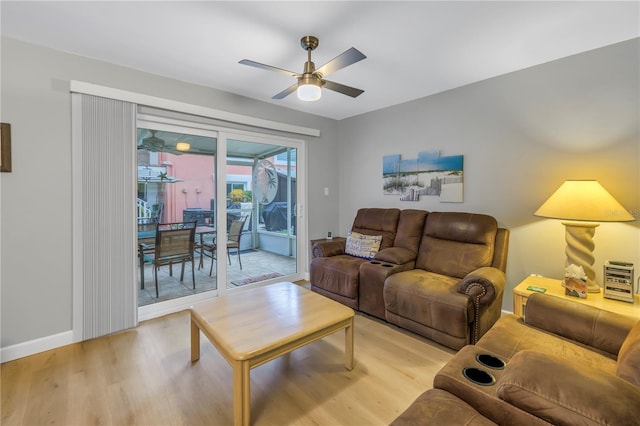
144, 376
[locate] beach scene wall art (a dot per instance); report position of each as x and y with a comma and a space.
430, 174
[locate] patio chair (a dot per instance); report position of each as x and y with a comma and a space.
208, 249
233, 240
174, 244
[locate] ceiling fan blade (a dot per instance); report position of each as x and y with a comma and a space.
341, 88
268, 67
286, 92
345, 59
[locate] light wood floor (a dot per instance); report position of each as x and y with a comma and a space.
144, 377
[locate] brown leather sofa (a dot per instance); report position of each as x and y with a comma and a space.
438, 274
566, 363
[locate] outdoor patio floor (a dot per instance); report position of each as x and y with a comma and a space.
255, 263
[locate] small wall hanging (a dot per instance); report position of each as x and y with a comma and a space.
5, 147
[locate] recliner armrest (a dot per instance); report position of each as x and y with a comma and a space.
397, 255
563, 393
328, 248
484, 284
585, 324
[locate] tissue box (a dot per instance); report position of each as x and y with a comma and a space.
575, 287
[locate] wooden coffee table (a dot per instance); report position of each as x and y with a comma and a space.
252, 327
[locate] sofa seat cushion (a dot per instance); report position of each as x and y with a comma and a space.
563, 392
438, 407
337, 274
429, 299
510, 335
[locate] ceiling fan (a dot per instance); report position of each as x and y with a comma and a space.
311, 81
152, 143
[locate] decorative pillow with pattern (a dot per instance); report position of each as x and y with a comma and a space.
361, 245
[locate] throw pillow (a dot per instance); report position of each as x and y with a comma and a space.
361, 245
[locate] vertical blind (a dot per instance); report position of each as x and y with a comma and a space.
104, 215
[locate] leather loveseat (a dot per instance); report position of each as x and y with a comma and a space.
565, 363
438, 274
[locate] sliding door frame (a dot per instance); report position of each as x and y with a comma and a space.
301, 197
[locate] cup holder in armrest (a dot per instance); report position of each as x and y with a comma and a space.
385, 265
479, 377
490, 361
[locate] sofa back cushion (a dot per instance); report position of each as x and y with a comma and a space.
455, 244
374, 221
588, 325
410, 229
629, 357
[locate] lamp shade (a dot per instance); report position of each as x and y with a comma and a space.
583, 200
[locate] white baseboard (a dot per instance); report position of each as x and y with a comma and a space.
36, 346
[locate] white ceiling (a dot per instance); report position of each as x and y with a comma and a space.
414, 49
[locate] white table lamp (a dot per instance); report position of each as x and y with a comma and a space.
583, 202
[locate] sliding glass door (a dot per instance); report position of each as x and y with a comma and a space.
261, 193
242, 192
175, 185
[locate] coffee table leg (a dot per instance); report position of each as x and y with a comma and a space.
195, 342
348, 346
241, 393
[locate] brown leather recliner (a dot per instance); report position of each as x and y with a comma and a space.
564, 363
454, 293
337, 275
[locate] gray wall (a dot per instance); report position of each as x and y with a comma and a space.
522, 135
35, 232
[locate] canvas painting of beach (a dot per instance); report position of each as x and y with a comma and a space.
430, 174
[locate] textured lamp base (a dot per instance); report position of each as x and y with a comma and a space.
579, 250
593, 287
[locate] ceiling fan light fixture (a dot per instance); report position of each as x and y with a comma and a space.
311, 80
183, 146
309, 88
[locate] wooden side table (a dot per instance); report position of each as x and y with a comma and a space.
322, 240
554, 288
